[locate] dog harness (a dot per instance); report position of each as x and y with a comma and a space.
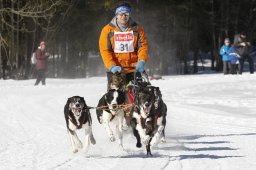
142, 120
82, 120
156, 116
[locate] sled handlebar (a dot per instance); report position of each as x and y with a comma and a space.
129, 67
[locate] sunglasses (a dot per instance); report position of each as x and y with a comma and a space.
126, 14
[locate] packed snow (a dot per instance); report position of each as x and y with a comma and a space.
211, 124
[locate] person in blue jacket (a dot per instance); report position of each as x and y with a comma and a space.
224, 52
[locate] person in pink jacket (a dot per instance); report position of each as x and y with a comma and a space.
41, 63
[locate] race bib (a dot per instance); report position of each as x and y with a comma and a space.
123, 42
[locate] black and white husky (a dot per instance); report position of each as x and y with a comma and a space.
149, 117
160, 113
78, 117
110, 113
142, 121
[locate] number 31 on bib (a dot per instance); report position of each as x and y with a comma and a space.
123, 42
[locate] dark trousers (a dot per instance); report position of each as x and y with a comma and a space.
40, 76
226, 67
129, 77
234, 69
241, 64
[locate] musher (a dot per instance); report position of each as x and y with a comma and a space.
123, 44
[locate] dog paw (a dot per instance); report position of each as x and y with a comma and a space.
146, 139
100, 119
112, 138
79, 144
153, 141
75, 150
163, 140
92, 139
138, 145
121, 147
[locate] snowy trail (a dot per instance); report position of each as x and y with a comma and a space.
221, 111
211, 124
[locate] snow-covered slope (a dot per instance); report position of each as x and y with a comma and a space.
211, 124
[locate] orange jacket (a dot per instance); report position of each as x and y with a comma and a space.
129, 59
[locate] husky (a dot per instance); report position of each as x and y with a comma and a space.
77, 117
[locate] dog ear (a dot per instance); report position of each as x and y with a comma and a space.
105, 100
67, 104
69, 100
111, 91
83, 102
159, 91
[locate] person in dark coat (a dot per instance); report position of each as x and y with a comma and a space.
41, 63
242, 47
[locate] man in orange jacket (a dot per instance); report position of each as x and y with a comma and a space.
123, 44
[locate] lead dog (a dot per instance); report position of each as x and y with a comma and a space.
77, 116
110, 112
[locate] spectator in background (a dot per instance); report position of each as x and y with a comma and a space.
242, 47
41, 63
234, 60
253, 49
224, 52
